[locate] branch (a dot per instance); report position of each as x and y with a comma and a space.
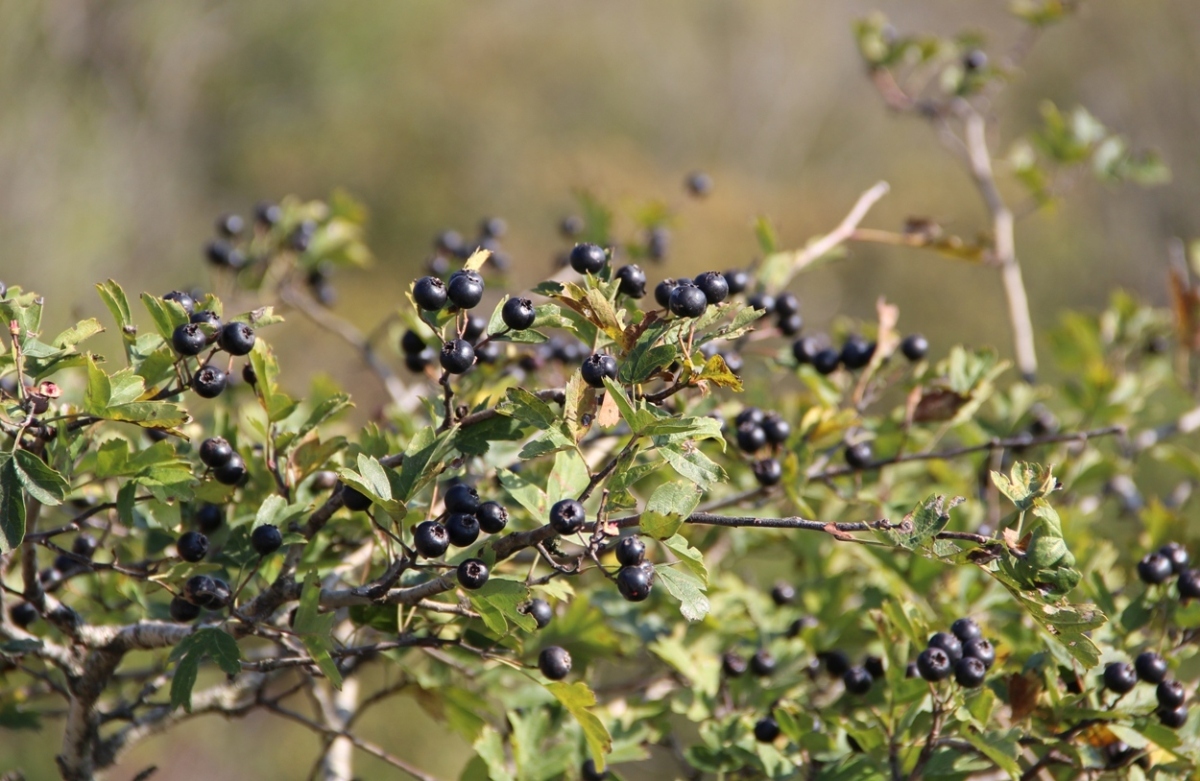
841, 233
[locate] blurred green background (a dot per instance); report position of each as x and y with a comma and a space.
127, 127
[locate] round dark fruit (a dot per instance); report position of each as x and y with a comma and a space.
737, 280
766, 730
23, 614
790, 325
554, 662
1189, 584
948, 643
182, 611
430, 294
465, 289
571, 226
1177, 555
492, 517
857, 680
267, 214
635, 583
1120, 677
463, 529
762, 301
933, 664
199, 589
266, 539
857, 352
472, 574
430, 539
518, 313
859, 455
836, 662
209, 382
630, 551
662, 292
230, 225
236, 338
975, 60
805, 349
476, 325
419, 362
411, 342
457, 356
632, 281
354, 499
206, 317
714, 286
733, 664
249, 375
966, 630
1170, 694
776, 428
183, 299
232, 472
215, 452
687, 301
192, 546
1150, 667
189, 339
588, 258
1154, 568
540, 611
874, 665
915, 347
1173, 718
798, 626
597, 367
450, 242
698, 184
209, 518
786, 304
969, 672
980, 649
751, 438
767, 472
588, 771
762, 663
783, 594
827, 360
750, 415
461, 498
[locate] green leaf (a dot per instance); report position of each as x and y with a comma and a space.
1003, 748
667, 508
693, 465
118, 397
529, 409
278, 405
497, 602
12, 505
689, 557
167, 315
84, 329
316, 629
1026, 483
489, 746
569, 476
214, 643
528, 495
922, 524
114, 298
424, 451
577, 698
644, 360
687, 588
40, 479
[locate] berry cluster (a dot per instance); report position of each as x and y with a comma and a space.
204, 329
1171, 560
962, 652
1121, 678
755, 431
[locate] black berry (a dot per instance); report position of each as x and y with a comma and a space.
1150, 667
767, 472
463, 529
461, 498
630, 551
980, 649
751, 437
662, 292
714, 286
230, 225
84, 545
632, 281
465, 290
457, 356
948, 643
571, 226
209, 518
859, 455
966, 630
232, 472
182, 611
588, 258
790, 325
783, 594
687, 301
1173, 718
518, 313
766, 730
857, 680
472, 574
206, 317
1177, 555
540, 611
975, 60
762, 301
934, 665
733, 664
208, 382
249, 375
189, 339
1170, 694
419, 362
266, 539
635, 582
215, 452
786, 304
267, 214
750, 415
199, 589
857, 352
776, 428
589, 772
874, 665
354, 499
597, 367
805, 349
1189, 584
969, 672
1154, 568
1120, 677
698, 184
492, 517
476, 325
411, 342
915, 347
737, 280
429, 293
23, 614
192, 546
450, 242
827, 360
236, 338
430, 539
554, 662
183, 299
836, 662
762, 663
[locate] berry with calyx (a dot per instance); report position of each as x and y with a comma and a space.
687, 301
232, 472
714, 286
220, 597
767, 472
1120, 677
209, 518
663, 290
518, 313
805, 349
1150, 667
206, 317
874, 665
182, 611
857, 352
969, 672
783, 594
588, 771
786, 304
630, 551
588, 258
266, 539
766, 730
632, 281
554, 662
948, 643
751, 437
465, 289
934, 664
737, 280
859, 455
209, 382
457, 355
431, 539
790, 325
762, 663
980, 649
461, 498
966, 630
597, 367
762, 301
236, 338
836, 662
1173, 718
733, 664
567, 516
430, 294
857, 680
540, 611
635, 582
84, 545
463, 529
492, 517
1177, 555
411, 342
1154, 568
1189, 584
915, 347
230, 225
776, 428
192, 546
1170, 694
215, 452
23, 614
183, 299
827, 360
354, 499
189, 339
472, 574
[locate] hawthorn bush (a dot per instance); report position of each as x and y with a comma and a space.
573, 535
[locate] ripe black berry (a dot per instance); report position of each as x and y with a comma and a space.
662, 292
857, 352
554, 662
588, 772
1120, 677
266, 539
189, 339
975, 60
1173, 718
1177, 555
750, 415
472, 574
635, 582
859, 455
857, 680
430, 294
430, 539
737, 280
767, 472
236, 338
766, 730
84, 545
492, 517
183, 299
182, 611
449, 242
199, 589
457, 356
733, 664
208, 382
687, 301
518, 313
874, 665
934, 664
215, 452
355, 500
827, 360
970, 672
419, 362
476, 325
805, 349
461, 498
588, 258
698, 184
1170, 694
783, 594
632, 281
571, 226
790, 325
762, 663
597, 367
762, 301
220, 597
1189, 584
751, 438
658, 242
249, 375
267, 214
209, 518
1154, 568
714, 286
1150, 667
948, 643
463, 529
786, 304
836, 662
980, 649
232, 472
192, 546
206, 317
915, 347
966, 630
465, 289
776, 428
411, 342
630, 551
540, 611
230, 225
23, 614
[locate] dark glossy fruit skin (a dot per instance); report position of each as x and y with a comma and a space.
430, 294
199, 589
518, 313
827, 360
698, 184
189, 339
457, 356
206, 317
859, 455
714, 286
836, 662
687, 301
267, 214
783, 594
805, 349
230, 225
1170, 694
915, 347
419, 362
588, 772
874, 665
84, 545
980, 649
492, 517
192, 546
540, 611
965, 629
23, 614
209, 382
751, 438
461, 498
355, 500
632, 281
236, 338
209, 518
465, 289
554, 662
750, 415
182, 611
1189, 584
588, 258
733, 664
476, 325
1154, 568
232, 472
463, 529
630, 551
948, 643
766, 730
767, 472
472, 574
431, 539
797, 627
215, 452
762, 301
1120, 677
786, 304
567, 516
183, 299
1177, 555
857, 352
266, 539
411, 342
597, 367
1150, 667
662, 292
857, 680
737, 280
249, 375
969, 672
1173, 718
790, 325
776, 428
933, 664
975, 60
636, 582
762, 663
